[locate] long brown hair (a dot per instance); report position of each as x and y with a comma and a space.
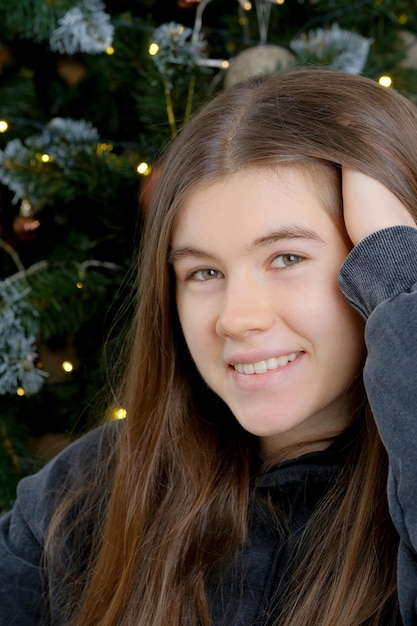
181, 467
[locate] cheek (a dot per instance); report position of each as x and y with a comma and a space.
344, 334
329, 322
194, 324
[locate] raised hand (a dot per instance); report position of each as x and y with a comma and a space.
369, 206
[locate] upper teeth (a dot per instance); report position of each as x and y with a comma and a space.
260, 367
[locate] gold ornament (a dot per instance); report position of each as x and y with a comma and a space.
257, 61
71, 70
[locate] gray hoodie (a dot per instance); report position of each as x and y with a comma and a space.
379, 278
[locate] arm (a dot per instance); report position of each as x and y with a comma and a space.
29, 593
379, 278
22, 599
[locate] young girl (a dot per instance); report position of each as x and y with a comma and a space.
248, 484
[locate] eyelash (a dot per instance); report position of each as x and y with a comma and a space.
296, 258
194, 274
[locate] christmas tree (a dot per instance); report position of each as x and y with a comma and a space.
90, 94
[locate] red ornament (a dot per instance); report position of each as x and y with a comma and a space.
25, 225
25, 228
147, 187
187, 4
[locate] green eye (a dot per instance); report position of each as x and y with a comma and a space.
205, 274
286, 260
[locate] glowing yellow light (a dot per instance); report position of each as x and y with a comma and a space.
225, 64
403, 18
79, 285
385, 81
153, 49
104, 147
45, 158
247, 6
280, 1
119, 413
110, 50
67, 366
3, 126
143, 168
20, 391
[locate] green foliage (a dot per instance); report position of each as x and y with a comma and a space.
15, 459
31, 19
97, 116
19, 329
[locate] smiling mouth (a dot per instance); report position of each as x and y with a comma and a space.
260, 367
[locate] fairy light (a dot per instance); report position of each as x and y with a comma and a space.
110, 50
104, 147
143, 168
20, 391
79, 284
3, 126
119, 413
153, 49
45, 158
385, 81
67, 366
403, 19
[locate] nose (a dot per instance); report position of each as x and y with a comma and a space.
246, 308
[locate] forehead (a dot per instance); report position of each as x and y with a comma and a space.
258, 197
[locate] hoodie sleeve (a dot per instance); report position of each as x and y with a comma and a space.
24, 586
379, 278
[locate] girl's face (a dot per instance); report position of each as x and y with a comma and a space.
256, 258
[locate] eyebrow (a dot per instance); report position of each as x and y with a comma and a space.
291, 232
286, 232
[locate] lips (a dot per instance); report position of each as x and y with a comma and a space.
260, 367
